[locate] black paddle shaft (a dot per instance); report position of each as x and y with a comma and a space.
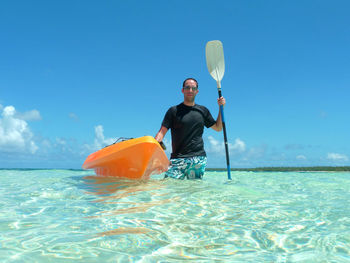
225, 136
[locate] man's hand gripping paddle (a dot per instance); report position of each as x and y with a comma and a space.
214, 53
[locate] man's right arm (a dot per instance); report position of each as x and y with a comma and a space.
161, 133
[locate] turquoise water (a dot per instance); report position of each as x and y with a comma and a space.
66, 216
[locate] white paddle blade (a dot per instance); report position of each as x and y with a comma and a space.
214, 53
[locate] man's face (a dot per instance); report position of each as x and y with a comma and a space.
190, 90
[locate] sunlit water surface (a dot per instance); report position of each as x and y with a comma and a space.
64, 215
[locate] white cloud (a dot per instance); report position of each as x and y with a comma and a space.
33, 115
255, 153
46, 143
61, 141
301, 157
337, 157
99, 142
73, 116
216, 146
100, 139
15, 135
239, 146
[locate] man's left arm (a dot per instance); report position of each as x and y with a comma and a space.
218, 124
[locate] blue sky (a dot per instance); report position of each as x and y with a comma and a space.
76, 75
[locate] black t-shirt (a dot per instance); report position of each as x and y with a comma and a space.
187, 125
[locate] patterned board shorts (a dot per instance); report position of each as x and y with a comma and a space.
190, 168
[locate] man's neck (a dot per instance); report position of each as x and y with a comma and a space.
189, 103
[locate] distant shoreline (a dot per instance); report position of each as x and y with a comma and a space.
288, 169
257, 169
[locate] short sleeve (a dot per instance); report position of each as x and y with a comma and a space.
167, 121
209, 120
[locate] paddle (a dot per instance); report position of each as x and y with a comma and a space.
214, 53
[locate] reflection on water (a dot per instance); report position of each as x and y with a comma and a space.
109, 189
124, 230
136, 209
119, 193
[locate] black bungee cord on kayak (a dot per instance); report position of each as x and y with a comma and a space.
120, 139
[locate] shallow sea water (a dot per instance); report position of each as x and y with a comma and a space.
74, 216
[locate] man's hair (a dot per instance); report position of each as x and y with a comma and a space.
183, 84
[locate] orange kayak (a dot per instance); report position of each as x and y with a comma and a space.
135, 159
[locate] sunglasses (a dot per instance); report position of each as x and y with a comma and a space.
189, 87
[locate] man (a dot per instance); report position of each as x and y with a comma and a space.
186, 121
